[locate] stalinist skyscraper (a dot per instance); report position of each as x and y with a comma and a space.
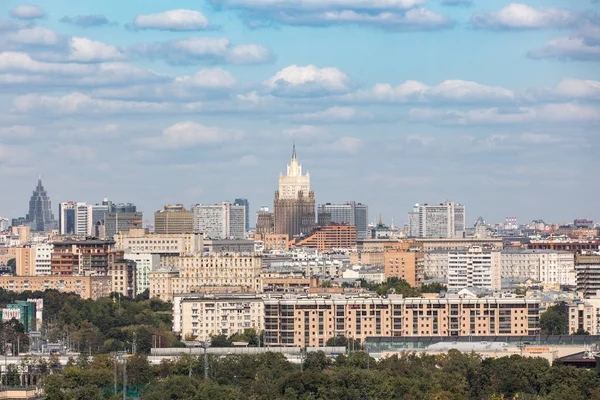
294, 205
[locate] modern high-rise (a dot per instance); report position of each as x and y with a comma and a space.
350, 213
245, 203
445, 220
115, 222
173, 219
67, 218
220, 221
294, 204
474, 267
40, 215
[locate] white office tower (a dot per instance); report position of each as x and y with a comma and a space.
445, 220
220, 221
474, 268
43, 253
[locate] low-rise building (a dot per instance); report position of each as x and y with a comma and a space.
331, 237
198, 317
588, 274
584, 315
547, 266
141, 242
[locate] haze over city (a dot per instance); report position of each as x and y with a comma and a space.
489, 103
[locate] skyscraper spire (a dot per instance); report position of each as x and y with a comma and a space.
294, 151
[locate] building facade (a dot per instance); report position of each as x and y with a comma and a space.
584, 316
300, 322
265, 222
547, 266
87, 287
90, 257
198, 273
474, 268
144, 264
246, 204
404, 264
40, 215
173, 219
445, 220
122, 273
350, 213
220, 221
294, 204
198, 317
140, 241
331, 237
588, 274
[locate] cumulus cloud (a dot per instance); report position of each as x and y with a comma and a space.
17, 132
334, 115
522, 16
306, 131
568, 48
308, 80
548, 114
21, 71
173, 20
213, 78
453, 91
188, 133
33, 36
86, 50
461, 3
28, 12
196, 50
386, 14
567, 89
87, 21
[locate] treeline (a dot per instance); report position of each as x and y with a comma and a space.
99, 326
400, 286
451, 376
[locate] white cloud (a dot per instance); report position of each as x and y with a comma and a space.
450, 91
309, 80
27, 12
35, 36
319, 4
196, 50
306, 131
547, 114
539, 138
346, 144
565, 48
248, 54
462, 3
333, 115
20, 69
173, 20
522, 16
567, 89
86, 50
210, 78
187, 133
386, 14
17, 132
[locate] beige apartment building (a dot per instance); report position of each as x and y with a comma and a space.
140, 241
311, 321
584, 315
407, 265
199, 272
198, 317
87, 287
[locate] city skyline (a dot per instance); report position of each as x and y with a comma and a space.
489, 104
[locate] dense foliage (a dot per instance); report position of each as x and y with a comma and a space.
451, 376
553, 321
109, 324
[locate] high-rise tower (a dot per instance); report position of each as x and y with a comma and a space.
40, 215
294, 205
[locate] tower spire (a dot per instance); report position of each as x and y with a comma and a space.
294, 151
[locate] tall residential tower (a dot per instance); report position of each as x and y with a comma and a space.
40, 214
294, 204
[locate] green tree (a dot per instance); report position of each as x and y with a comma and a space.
433, 288
553, 321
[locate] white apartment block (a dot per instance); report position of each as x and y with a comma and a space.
547, 266
435, 264
138, 241
197, 317
446, 220
220, 221
474, 268
194, 273
43, 253
145, 263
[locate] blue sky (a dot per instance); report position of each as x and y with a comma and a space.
488, 103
